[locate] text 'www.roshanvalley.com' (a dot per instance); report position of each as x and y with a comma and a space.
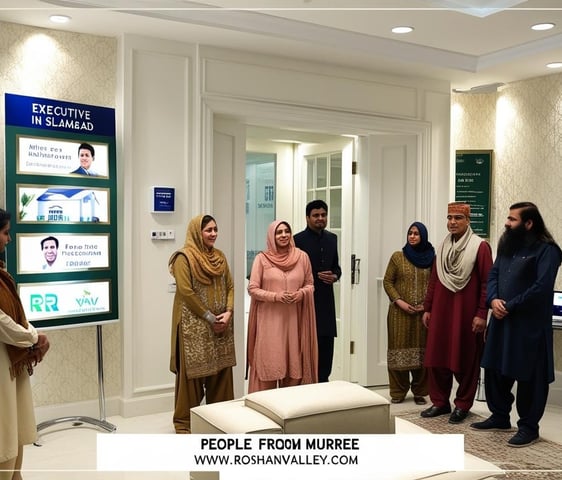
278, 450
275, 459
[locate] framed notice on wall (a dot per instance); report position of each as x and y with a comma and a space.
61, 192
473, 174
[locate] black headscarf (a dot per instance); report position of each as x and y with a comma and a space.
423, 253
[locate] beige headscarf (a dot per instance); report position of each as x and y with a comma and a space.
455, 260
205, 263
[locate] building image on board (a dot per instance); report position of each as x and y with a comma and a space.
67, 205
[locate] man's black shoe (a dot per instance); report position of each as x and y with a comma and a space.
522, 439
490, 425
434, 411
458, 415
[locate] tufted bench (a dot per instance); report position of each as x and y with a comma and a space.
230, 417
336, 407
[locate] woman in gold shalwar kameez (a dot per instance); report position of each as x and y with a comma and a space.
202, 354
405, 282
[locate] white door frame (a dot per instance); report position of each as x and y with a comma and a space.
314, 120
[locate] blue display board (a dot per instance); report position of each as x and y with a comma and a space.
61, 192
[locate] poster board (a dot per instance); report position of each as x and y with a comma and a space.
473, 173
61, 193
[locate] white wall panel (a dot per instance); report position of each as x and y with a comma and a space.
158, 129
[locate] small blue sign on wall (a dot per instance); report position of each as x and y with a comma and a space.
163, 199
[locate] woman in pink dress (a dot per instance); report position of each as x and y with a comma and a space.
282, 345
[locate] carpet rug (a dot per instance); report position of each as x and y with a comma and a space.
540, 461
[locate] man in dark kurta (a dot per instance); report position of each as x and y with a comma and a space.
519, 338
455, 314
322, 249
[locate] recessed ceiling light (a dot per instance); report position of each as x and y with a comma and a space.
554, 65
59, 18
402, 29
542, 26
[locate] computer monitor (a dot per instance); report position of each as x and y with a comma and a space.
557, 309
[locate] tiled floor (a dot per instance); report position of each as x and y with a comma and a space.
68, 452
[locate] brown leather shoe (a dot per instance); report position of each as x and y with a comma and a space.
420, 400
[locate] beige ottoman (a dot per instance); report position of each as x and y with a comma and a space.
230, 417
204, 475
331, 408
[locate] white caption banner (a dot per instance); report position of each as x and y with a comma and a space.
283, 456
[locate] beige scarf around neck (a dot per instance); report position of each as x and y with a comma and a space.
455, 260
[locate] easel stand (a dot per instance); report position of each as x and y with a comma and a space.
78, 421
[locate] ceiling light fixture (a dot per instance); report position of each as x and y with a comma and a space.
59, 18
542, 26
403, 29
554, 65
487, 88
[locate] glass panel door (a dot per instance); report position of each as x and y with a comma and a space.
324, 182
260, 202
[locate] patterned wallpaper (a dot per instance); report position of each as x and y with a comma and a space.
522, 123
76, 68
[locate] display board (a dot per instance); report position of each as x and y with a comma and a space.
473, 186
61, 192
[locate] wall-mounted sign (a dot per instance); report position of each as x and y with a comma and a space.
163, 199
473, 185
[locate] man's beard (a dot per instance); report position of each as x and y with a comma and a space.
512, 240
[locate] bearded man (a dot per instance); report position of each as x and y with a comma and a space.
519, 337
455, 315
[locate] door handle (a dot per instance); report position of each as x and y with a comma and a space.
355, 269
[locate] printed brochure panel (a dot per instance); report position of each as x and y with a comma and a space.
53, 156
62, 204
62, 252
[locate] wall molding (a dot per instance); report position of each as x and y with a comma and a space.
276, 84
